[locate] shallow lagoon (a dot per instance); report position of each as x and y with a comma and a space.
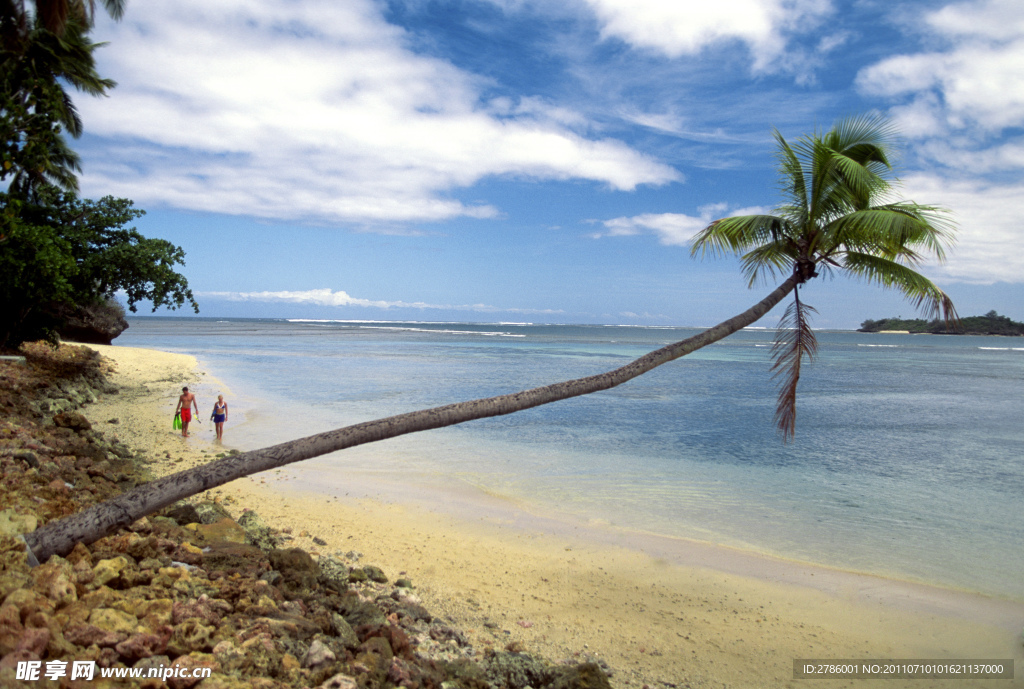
907, 460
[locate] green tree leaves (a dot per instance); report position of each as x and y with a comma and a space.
60, 253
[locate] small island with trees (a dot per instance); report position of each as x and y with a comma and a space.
989, 324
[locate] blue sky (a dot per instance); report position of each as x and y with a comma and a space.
539, 160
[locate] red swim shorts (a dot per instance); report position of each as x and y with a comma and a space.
186, 415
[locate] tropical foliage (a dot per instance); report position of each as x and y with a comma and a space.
36, 110
60, 255
839, 213
52, 15
989, 324
63, 253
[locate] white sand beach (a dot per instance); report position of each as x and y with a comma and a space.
660, 612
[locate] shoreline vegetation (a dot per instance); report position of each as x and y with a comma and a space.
483, 600
989, 324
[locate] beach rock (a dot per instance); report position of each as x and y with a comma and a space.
206, 609
72, 420
296, 566
358, 612
28, 457
585, 676
343, 632
14, 524
515, 670
27, 602
226, 529
191, 635
33, 641
114, 621
90, 635
229, 656
187, 678
183, 513
318, 654
93, 324
339, 682
375, 655
144, 645
236, 558
334, 573
257, 533
106, 571
211, 512
11, 629
374, 573
55, 580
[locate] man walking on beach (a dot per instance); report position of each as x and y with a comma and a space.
185, 404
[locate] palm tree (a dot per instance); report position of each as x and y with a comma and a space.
837, 215
53, 15
37, 107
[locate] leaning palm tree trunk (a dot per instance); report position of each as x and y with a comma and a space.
91, 524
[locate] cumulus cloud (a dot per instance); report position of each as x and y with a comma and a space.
317, 111
989, 227
671, 229
974, 81
686, 27
329, 297
962, 107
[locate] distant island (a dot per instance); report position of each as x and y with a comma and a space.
989, 324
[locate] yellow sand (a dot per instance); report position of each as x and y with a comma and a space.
694, 615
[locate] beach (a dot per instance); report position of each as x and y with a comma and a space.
660, 613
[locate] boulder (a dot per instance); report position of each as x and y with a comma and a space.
94, 324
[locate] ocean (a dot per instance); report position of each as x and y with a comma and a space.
908, 460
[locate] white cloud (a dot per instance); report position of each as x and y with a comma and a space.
974, 82
672, 229
962, 106
328, 297
990, 233
685, 27
304, 110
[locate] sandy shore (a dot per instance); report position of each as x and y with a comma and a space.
660, 612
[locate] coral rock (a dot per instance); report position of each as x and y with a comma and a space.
55, 580
90, 634
318, 654
339, 682
113, 620
107, 571
144, 645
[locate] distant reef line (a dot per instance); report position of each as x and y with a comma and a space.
989, 324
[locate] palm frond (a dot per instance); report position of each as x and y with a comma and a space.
737, 234
865, 138
792, 178
924, 293
794, 339
775, 259
894, 230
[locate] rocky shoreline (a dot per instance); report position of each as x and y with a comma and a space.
197, 586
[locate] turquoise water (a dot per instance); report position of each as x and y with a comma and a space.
908, 460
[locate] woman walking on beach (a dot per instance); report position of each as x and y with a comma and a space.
219, 416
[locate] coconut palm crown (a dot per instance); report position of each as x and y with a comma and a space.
839, 213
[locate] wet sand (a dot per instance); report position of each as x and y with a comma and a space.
659, 611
